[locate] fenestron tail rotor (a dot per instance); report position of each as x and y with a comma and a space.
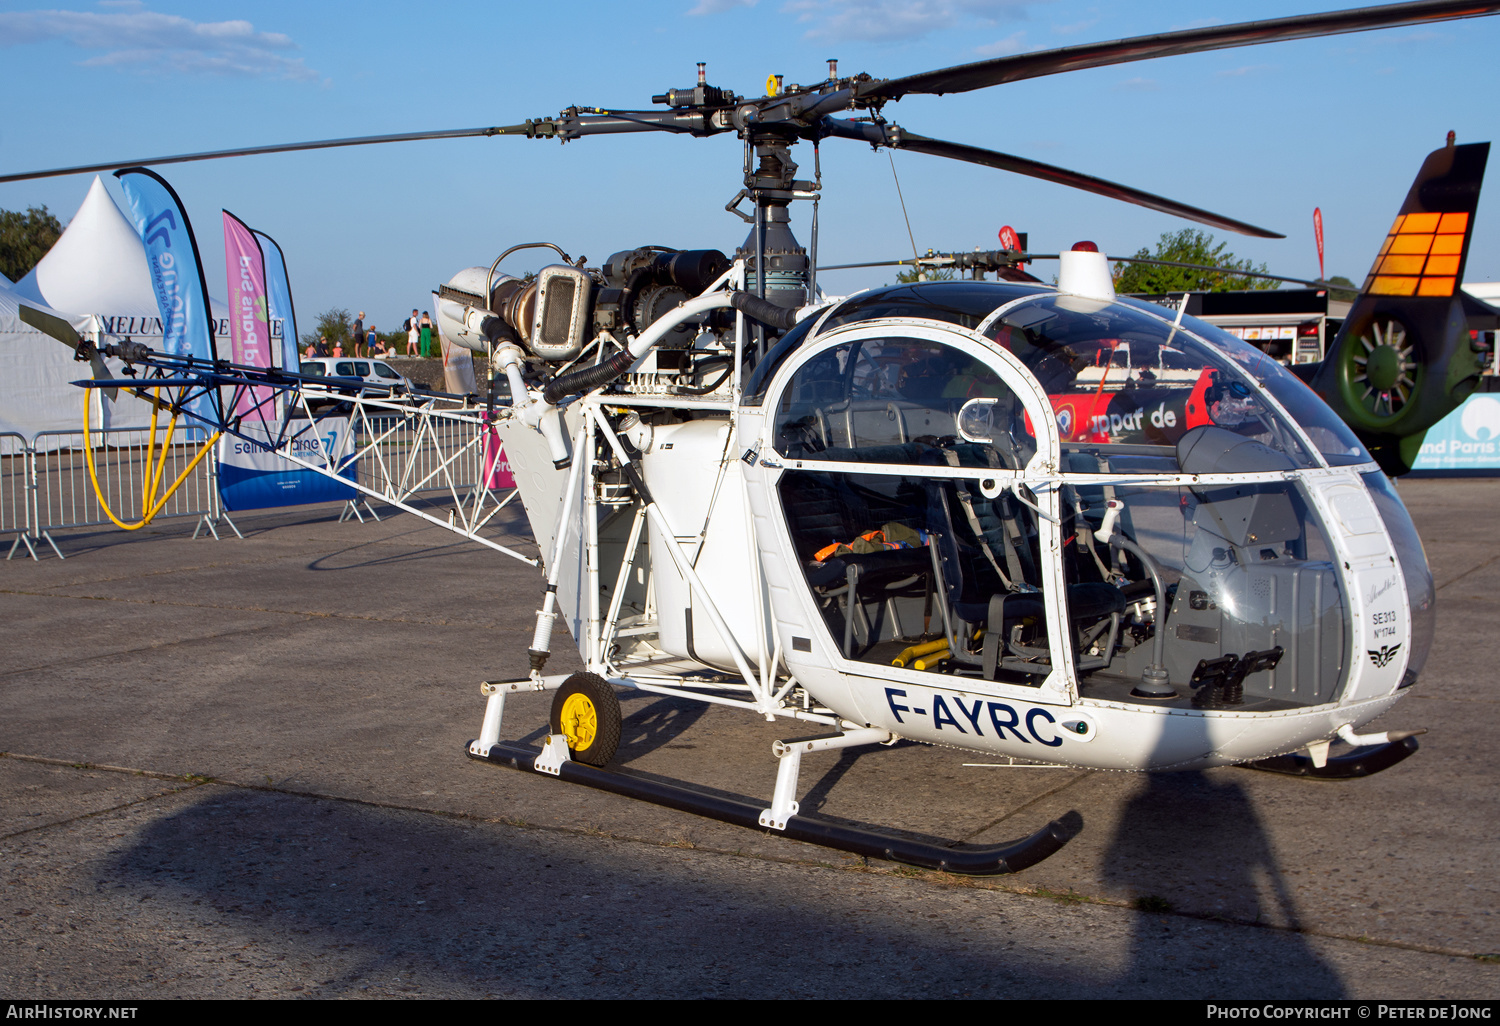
65, 333
1385, 371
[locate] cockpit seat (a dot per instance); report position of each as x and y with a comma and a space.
825, 508
988, 557
1091, 604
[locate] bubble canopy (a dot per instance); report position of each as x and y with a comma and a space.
1180, 543
1121, 354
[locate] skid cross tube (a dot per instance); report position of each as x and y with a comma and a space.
874, 843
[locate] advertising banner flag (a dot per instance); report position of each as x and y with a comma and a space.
279, 293
1318, 232
176, 274
249, 325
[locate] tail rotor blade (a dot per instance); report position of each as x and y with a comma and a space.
101, 372
55, 327
65, 333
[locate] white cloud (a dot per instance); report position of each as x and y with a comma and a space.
897, 20
1002, 47
1139, 85
130, 36
719, 6
1075, 27
1247, 69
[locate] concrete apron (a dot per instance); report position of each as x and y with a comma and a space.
325, 677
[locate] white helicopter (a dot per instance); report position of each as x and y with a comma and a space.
924, 512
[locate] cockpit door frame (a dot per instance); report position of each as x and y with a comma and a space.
1039, 476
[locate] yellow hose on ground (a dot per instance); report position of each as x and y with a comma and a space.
157, 458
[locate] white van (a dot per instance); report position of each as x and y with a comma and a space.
376, 372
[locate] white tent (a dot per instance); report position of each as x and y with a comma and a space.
35, 371
98, 266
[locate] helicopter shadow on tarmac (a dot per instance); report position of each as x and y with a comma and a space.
1200, 831
335, 898
512, 529
345, 558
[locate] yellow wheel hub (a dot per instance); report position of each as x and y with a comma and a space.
580, 722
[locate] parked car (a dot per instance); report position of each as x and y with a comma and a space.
376, 372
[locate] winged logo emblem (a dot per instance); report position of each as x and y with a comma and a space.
1384, 656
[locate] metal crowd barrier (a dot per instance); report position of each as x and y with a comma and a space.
56, 492
406, 456
45, 486
15, 490
431, 452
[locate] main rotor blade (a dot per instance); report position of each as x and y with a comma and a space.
901, 139
999, 70
1227, 272
570, 124
245, 151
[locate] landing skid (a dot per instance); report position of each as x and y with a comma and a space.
992, 861
1360, 762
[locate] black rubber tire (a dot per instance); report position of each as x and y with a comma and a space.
605, 704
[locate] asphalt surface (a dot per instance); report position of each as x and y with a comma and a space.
236, 769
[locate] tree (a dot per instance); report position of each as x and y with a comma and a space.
334, 325
1342, 296
1189, 246
924, 274
25, 239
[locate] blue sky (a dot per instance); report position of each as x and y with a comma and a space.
1262, 134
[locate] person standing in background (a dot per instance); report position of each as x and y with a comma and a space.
372, 341
358, 335
427, 346
413, 335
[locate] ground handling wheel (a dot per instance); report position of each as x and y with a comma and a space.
587, 710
